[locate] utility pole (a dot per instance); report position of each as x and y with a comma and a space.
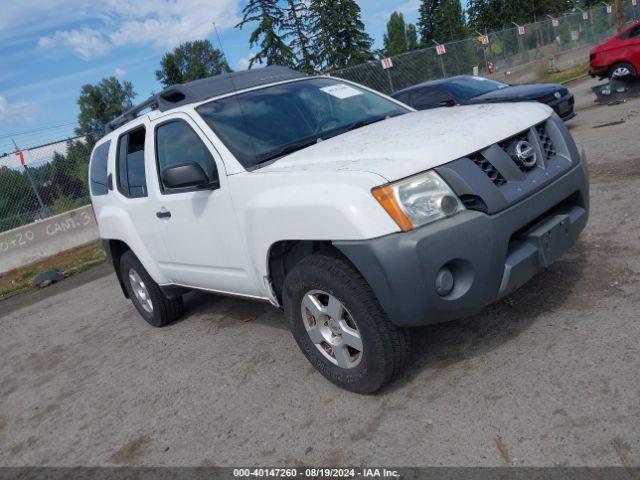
619, 15
28, 174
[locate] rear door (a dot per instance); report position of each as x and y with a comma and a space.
131, 196
206, 248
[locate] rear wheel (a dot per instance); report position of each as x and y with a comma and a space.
144, 292
340, 326
623, 70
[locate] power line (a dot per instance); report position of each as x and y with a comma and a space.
26, 132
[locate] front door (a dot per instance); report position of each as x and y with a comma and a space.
199, 227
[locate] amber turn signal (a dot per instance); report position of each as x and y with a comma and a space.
387, 198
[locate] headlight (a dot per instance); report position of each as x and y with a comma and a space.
418, 200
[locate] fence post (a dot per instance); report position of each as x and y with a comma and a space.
43, 210
390, 80
444, 72
484, 49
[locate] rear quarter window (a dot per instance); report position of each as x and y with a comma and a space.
98, 171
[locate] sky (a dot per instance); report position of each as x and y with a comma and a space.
50, 48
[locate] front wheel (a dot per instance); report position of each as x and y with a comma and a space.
623, 70
340, 326
144, 292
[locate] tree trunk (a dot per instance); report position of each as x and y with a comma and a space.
619, 15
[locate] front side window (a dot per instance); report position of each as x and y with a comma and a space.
132, 181
177, 143
265, 124
98, 174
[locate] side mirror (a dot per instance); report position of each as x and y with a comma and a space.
186, 175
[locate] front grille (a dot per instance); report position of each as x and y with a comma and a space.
509, 146
490, 171
547, 144
490, 180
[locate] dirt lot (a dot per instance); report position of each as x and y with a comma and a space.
548, 376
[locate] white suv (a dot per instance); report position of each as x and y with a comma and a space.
355, 214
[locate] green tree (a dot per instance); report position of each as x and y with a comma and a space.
16, 198
338, 36
497, 14
101, 103
427, 21
270, 18
450, 23
296, 24
412, 37
395, 40
191, 61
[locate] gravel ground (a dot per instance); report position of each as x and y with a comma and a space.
548, 376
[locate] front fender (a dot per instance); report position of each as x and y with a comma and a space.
273, 207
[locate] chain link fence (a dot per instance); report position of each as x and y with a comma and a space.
51, 179
493, 53
43, 181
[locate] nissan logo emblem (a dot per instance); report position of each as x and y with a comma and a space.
525, 154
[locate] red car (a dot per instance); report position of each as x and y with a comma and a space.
618, 56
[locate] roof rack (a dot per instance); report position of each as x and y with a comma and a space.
200, 90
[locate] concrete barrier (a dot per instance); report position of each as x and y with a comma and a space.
37, 241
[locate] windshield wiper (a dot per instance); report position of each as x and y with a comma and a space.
294, 147
364, 123
289, 148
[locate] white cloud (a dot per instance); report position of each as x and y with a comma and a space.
85, 42
120, 72
167, 23
409, 6
17, 112
117, 23
25, 19
243, 63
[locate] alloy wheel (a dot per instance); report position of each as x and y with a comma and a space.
332, 329
140, 291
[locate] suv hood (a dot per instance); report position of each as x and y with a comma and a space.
402, 146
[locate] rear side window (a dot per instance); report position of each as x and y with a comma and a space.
403, 97
177, 143
428, 98
132, 181
98, 173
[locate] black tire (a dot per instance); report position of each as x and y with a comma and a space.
165, 310
386, 349
628, 66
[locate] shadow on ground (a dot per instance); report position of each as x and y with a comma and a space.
440, 346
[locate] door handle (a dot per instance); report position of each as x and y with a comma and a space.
163, 214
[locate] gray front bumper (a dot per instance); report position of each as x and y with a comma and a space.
489, 255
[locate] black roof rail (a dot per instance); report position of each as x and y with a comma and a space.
203, 89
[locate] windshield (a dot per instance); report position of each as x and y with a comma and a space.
469, 87
265, 124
